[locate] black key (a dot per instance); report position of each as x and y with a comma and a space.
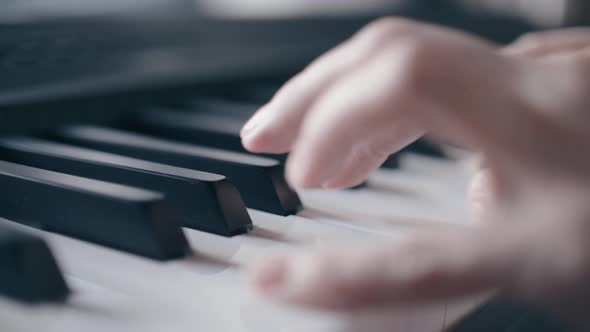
539, 321
252, 92
496, 315
204, 128
122, 217
260, 93
420, 146
224, 107
424, 147
503, 315
217, 128
204, 201
28, 270
212, 124
260, 180
212, 129
392, 161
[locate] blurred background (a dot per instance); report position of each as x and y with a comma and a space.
158, 43
541, 12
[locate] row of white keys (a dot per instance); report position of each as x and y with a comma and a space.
425, 192
190, 292
209, 291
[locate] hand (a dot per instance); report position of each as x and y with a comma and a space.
397, 80
552, 45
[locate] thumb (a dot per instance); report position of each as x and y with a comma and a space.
425, 268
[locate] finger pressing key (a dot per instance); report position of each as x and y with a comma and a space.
275, 127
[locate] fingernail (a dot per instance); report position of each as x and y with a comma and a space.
250, 127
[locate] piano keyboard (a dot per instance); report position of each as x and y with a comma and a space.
152, 218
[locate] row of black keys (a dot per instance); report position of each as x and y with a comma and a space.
84, 182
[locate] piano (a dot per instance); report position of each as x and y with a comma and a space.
128, 204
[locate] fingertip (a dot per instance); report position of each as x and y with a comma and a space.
258, 125
301, 171
258, 141
249, 127
266, 133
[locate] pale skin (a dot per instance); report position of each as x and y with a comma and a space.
524, 109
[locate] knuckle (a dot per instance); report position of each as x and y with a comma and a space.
415, 51
387, 27
389, 24
413, 65
532, 41
406, 48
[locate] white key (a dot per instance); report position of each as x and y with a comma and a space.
193, 288
433, 193
91, 309
210, 291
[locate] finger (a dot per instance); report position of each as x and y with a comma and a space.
423, 269
352, 118
551, 42
275, 126
368, 156
355, 170
354, 123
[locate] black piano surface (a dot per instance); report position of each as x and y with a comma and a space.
117, 74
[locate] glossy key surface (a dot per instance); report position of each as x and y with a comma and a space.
209, 129
217, 127
203, 201
260, 180
115, 291
122, 217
